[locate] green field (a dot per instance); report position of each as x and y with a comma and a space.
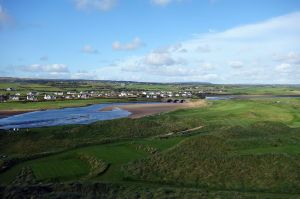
23, 106
263, 90
246, 149
68, 166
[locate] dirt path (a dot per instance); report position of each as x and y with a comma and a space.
185, 132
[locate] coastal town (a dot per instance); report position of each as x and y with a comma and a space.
19, 93
45, 96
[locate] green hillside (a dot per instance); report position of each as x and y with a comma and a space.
246, 149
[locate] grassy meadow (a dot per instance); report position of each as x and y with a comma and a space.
246, 148
57, 104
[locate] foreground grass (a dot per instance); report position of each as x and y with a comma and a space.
213, 162
41, 140
69, 165
246, 146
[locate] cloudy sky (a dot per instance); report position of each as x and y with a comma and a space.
218, 41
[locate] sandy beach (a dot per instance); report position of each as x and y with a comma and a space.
141, 110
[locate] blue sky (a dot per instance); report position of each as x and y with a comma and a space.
219, 41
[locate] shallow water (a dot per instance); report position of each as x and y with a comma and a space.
219, 97
79, 115
57, 117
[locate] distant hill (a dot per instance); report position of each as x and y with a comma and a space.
16, 79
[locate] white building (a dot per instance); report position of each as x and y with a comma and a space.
15, 98
49, 97
71, 93
83, 96
123, 94
31, 98
59, 93
33, 93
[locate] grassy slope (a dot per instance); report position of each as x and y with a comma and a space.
214, 163
68, 165
245, 112
263, 90
246, 145
248, 148
56, 138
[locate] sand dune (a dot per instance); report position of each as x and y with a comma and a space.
141, 110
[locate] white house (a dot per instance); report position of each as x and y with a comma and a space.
59, 93
31, 98
83, 95
33, 93
71, 93
123, 94
49, 97
15, 98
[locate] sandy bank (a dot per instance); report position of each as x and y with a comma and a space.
7, 113
141, 110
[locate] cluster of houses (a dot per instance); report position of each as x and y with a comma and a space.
166, 94
37, 96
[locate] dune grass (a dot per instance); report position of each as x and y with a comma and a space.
214, 162
70, 166
244, 146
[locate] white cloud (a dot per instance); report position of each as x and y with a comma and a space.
83, 75
291, 57
249, 47
5, 19
284, 68
175, 48
204, 48
159, 59
164, 3
161, 2
236, 64
52, 68
102, 5
207, 66
89, 49
264, 29
135, 44
167, 73
51, 71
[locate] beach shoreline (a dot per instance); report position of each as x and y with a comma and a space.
137, 109
8, 113
142, 110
